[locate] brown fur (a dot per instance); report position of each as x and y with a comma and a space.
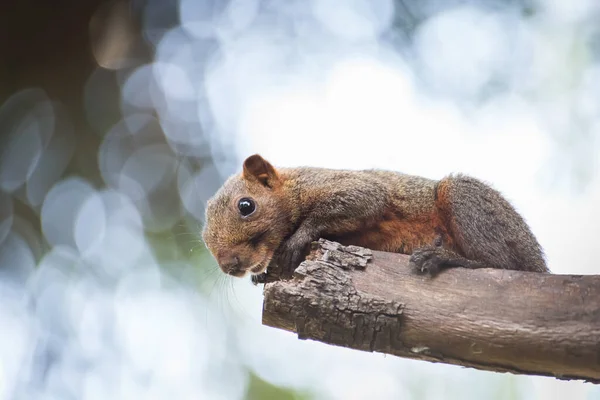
382, 210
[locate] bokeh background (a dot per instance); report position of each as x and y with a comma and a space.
119, 118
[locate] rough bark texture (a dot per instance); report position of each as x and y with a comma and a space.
497, 320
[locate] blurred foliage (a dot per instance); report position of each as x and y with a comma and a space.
259, 389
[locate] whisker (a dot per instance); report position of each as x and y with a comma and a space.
243, 312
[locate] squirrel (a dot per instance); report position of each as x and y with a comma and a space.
267, 215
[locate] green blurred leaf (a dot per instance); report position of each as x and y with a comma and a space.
259, 389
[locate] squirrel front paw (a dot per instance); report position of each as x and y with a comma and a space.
258, 279
290, 259
292, 253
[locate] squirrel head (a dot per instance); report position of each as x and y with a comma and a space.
247, 219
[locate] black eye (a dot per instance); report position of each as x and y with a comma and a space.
246, 206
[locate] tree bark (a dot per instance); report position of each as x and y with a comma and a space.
490, 319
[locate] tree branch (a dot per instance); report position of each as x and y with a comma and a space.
490, 319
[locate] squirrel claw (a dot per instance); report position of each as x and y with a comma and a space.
258, 279
428, 259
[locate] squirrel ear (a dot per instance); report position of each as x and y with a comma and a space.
258, 169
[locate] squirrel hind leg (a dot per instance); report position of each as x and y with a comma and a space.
431, 259
486, 227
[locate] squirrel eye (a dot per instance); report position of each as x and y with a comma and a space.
246, 206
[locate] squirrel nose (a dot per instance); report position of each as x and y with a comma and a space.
230, 263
